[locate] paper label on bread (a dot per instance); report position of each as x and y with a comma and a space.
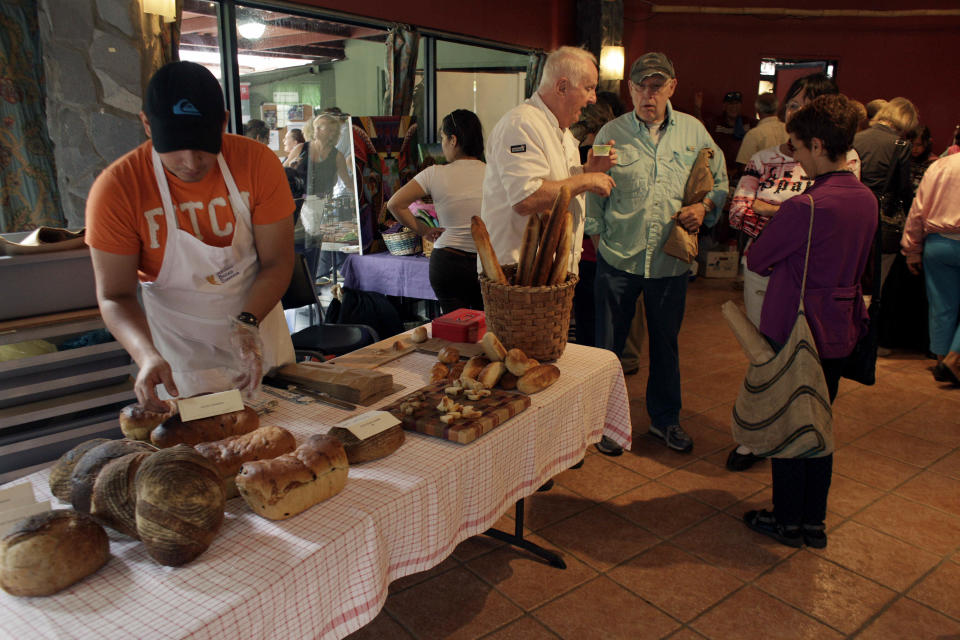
211, 404
369, 424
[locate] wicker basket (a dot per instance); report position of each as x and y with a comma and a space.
534, 319
403, 243
427, 246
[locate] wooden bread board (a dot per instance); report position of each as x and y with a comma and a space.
496, 408
466, 349
373, 356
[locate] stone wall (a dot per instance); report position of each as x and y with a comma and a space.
93, 56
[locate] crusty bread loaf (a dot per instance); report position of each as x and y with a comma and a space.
456, 370
448, 355
292, 483
439, 372
419, 334
114, 502
372, 448
528, 252
176, 431
86, 470
474, 366
137, 423
551, 238
50, 551
491, 374
518, 363
508, 381
180, 504
229, 454
60, 484
488, 258
538, 378
561, 261
492, 347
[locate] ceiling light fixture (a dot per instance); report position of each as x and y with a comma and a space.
251, 30
611, 63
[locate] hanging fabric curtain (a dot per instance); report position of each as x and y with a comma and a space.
534, 70
161, 41
28, 186
403, 43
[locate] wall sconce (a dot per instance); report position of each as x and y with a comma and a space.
165, 8
611, 63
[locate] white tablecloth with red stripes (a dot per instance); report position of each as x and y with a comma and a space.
324, 573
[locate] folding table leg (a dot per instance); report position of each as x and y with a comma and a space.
516, 539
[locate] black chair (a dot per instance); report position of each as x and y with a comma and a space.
321, 338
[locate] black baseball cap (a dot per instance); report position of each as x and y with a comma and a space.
185, 108
649, 64
733, 96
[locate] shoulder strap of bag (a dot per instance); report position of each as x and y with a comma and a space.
806, 257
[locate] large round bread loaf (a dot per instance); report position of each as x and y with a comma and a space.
176, 431
229, 454
180, 504
114, 494
50, 551
60, 484
85, 473
137, 423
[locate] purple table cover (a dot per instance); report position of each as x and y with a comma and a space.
407, 276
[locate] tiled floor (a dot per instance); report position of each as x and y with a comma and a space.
654, 544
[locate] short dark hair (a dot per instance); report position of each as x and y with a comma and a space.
815, 84
297, 135
466, 126
258, 130
766, 104
832, 119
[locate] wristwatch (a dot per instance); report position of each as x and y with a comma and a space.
248, 318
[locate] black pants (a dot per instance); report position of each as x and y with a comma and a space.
801, 485
584, 308
453, 276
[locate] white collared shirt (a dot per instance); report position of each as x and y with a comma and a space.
526, 147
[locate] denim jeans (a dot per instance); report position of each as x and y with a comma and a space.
616, 294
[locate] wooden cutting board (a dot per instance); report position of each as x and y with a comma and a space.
497, 408
466, 349
373, 356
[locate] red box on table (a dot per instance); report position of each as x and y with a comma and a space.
462, 325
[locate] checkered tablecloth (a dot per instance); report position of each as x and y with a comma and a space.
324, 573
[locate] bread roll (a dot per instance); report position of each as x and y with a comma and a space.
372, 448
551, 238
518, 363
229, 454
474, 366
508, 381
439, 372
50, 551
448, 355
114, 499
491, 374
456, 370
292, 483
528, 252
561, 261
85, 472
493, 347
59, 480
176, 431
137, 423
180, 504
419, 334
491, 266
538, 378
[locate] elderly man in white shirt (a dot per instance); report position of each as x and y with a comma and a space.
531, 154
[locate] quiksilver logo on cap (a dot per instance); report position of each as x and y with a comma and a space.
185, 108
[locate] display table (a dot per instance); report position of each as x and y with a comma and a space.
406, 276
325, 572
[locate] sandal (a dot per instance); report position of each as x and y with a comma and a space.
815, 536
766, 523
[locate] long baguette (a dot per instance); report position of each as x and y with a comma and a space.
528, 251
562, 260
551, 238
488, 258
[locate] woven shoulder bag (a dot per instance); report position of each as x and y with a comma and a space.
783, 409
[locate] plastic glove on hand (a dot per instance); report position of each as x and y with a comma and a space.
245, 339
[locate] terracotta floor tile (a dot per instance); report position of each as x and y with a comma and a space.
848, 496
877, 556
675, 581
826, 591
599, 478
603, 609
875, 406
760, 471
526, 628
719, 385
908, 619
711, 484
525, 578
935, 490
650, 458
599, 538
725, 541
475, 546
455, 604
697, 403
900, 446
949, 466
934, 420
750, 610
940, 590
846, 429
408, 581
706, 438
871, 468
383, 627
544, 508
686, 634
915, 523
659, 509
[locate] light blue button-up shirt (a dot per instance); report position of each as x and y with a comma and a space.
635, 220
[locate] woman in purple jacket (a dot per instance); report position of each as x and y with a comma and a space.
844, 223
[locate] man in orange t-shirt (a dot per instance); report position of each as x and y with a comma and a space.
203, 220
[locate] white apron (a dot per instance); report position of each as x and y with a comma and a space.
198, 290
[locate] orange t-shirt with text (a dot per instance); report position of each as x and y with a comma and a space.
125, 214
